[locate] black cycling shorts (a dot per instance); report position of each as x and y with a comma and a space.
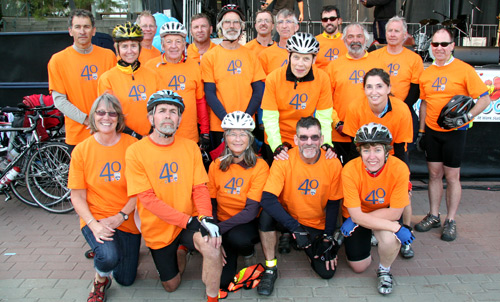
165, 258
445, 147
358, 245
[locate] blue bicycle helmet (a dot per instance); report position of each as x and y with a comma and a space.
165, 97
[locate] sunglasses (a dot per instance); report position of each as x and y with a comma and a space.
329, 18
305, 138
103, 113
443, 44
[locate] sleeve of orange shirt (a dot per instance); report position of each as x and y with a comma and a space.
276, 180
76, 177
201, 198
258, 181
162, 210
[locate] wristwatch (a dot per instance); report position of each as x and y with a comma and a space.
125, 216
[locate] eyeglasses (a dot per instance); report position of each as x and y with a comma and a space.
443, 44
305, 138
281, 22
110, 113
241, 135
332, 18
231, 22
267, 21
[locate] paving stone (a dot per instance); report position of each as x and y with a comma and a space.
46, 293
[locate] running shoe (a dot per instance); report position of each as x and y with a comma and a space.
449, 230
430, 221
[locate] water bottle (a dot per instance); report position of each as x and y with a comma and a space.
5, 181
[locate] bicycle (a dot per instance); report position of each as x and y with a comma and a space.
43, 166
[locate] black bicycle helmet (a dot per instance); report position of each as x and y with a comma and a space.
373, 133
303, 43
127, 31
230, 8
457, 106
165, 97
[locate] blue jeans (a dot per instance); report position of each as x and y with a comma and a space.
120, 256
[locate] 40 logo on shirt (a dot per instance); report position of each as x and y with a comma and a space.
376, 196
138, 92
234, 185
357, 76
111, 171
440, 83
393, 69
299, 101
177, 82
235, 66
332, 54
89, 72
308, 187
284, 63
169, 172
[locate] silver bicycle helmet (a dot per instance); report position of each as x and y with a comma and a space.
373, 133
165, 97
238, 120
173, 28
303, 43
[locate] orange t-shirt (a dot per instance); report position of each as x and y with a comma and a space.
233, 187
171, 172
304, 189
405, 68
233, 72
330, 49
76, 75
273, 57
192, 52
389, 189
398, 120
255, 46
133, 93
346, 76
148, 54
295, 100
438, 85
101, 171
185, 79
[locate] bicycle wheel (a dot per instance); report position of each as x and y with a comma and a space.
47, 177
18, 187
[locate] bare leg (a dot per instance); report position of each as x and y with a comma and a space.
268, 241
436, 172
388, 247
212, 265
453, 191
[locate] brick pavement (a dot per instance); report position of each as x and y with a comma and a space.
48, 264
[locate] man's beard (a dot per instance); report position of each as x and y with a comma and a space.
232, 36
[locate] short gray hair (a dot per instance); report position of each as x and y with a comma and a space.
398, 19
359, 25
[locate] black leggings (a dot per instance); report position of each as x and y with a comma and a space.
240, 240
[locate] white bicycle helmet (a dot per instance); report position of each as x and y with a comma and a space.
173, 28
373, 133
238, 120
303, 43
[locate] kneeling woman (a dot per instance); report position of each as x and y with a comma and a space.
375, 193
236, 181
99, 195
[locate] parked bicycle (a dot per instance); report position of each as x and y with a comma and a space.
37, 167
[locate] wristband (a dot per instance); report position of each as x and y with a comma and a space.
90, 221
